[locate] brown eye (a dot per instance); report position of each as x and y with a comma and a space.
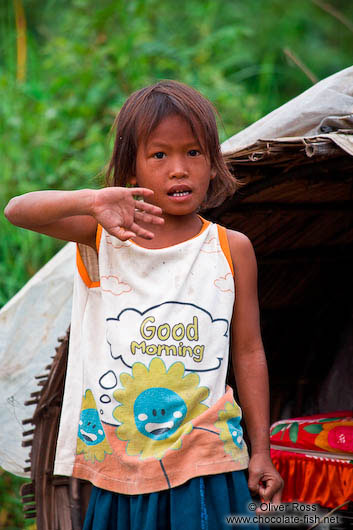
194, 152
159, 155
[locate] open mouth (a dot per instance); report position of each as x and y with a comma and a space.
160, 431
88, 436
179, 191
159, 428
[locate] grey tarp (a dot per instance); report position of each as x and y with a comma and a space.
30, 324
324, 108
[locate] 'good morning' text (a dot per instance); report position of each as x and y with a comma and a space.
164, 332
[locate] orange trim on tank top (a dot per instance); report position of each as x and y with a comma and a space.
83, 271
98, 237
223, 239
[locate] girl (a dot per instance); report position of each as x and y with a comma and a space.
147, 416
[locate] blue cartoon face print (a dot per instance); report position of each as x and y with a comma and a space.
90, 429
236, 431
159, 412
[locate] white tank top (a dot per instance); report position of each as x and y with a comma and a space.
146, 406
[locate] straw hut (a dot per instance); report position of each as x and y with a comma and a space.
297, 209
296, 206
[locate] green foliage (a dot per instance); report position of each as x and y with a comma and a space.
11, 514
22, 253
84, 58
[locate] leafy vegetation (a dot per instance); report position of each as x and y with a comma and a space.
11, 513
66, 69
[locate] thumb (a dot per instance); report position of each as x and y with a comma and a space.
253, 482
264, 492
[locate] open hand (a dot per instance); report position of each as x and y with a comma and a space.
120, 214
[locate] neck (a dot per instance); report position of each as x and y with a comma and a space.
176, 229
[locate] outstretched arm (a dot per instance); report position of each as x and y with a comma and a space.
73, 215
250, 369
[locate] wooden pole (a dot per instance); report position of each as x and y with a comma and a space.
21, 41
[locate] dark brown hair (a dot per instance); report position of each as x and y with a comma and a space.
142, 113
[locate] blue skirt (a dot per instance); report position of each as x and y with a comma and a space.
202, 503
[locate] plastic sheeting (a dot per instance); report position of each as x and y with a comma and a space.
324, 108
30, 324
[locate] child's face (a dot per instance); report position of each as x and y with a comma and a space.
173, 164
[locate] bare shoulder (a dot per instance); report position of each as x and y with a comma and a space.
238, 238
240, 245
245, 275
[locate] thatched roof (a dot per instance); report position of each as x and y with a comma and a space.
297, 202
296, 206
325, 107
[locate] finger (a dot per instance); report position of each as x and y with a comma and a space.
122, 234
253, 483
148, 218
148, 207
265, 492
271, 491
142, 232
277, 497
142, 192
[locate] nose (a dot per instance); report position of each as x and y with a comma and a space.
178, 168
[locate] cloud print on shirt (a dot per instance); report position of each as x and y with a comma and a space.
117, 243
173, 331
225, 283
211, 246
113, 285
